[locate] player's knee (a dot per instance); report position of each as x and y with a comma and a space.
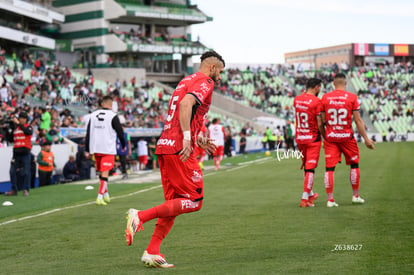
330, 169
355, 165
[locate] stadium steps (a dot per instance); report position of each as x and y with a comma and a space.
353, 88
238, 111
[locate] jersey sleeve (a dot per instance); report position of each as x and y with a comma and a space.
322, 105
200, 89
318, 108
355, 104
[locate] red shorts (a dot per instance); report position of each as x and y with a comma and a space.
143, 160
104, 162
310, 154
198, 152
219, 151
333, 152
181, 179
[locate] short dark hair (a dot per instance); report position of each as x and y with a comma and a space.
212, 54
313, 82
214, 120
106, 98
340, 75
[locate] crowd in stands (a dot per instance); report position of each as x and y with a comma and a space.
387, 94
261, 89
386, 91
47, 92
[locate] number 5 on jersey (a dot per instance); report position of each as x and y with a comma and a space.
173, 107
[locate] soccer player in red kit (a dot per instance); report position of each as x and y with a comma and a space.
181, 176
339, 107
307, 113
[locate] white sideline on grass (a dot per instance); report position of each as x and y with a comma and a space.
241, 165
75, 206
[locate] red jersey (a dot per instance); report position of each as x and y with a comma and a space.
338, 106
307, 107
201, 87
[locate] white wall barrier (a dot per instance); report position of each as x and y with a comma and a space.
60, 151
63, 151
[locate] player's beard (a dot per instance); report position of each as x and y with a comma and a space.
215, 76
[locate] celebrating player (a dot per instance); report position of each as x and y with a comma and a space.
181, 176
103, 128
216, 133
307, 109
338, 109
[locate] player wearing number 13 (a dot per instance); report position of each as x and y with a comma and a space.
338, 109
181, 176
307, 110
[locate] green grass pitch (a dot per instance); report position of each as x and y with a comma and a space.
251, 223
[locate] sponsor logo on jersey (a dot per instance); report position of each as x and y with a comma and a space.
167, 126
204, 87
165, 141
190, 77
338, 128
333, 102
303, 130
304, 101
179, 87
302, 107
339, 135
188, 204
305, 137
345, 97
196, 176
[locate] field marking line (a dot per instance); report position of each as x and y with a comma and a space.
75, 206
242, 165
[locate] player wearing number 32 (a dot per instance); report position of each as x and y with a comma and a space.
307, 110
339, 107
181, 176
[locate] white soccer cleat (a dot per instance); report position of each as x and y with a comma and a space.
157, 260
357, 200
331, 204
133, 225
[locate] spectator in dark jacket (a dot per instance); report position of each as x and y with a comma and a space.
70, 170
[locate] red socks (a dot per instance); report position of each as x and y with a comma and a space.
166, 214
354, 177
162, 228
329, 184
307, 185
103, 187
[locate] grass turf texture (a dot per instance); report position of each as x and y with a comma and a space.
251, 223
